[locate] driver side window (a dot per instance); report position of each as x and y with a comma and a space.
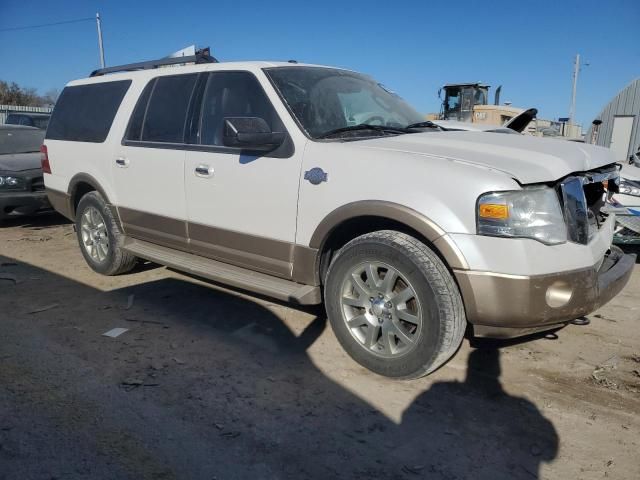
233, 94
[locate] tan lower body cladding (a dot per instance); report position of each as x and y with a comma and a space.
274, 257
526, 303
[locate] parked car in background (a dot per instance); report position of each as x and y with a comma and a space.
21, 183
315, 184
627, 203
37, 120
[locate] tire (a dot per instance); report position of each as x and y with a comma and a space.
101, 246
419, 311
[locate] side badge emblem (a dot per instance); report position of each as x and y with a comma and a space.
316, 176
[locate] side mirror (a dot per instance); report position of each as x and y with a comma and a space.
251, 133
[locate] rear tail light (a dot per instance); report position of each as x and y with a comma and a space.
44, 159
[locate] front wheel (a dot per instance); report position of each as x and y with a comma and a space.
393, 305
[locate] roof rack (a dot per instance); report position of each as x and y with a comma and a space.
200, 57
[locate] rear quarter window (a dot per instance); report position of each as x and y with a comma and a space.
166, 113
84, 113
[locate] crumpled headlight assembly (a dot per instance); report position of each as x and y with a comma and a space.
11, 182
533, 212
628, 187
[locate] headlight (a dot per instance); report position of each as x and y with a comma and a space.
8, 182
627, 187
532, 212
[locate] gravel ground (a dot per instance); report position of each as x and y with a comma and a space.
209, 383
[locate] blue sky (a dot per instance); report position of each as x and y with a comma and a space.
413, 46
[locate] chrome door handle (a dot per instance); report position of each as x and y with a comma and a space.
122, 162
204, 171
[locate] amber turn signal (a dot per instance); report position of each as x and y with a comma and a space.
493, 210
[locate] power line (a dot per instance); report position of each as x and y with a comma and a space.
77, 20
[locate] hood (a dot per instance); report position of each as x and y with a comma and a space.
525, 158
18, 162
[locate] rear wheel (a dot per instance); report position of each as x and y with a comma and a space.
393, 305
100, 237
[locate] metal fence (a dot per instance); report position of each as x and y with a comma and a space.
7, 109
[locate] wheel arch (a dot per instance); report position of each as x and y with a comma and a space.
358, 218
80, 185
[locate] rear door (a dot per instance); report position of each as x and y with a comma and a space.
241, 205
149, 164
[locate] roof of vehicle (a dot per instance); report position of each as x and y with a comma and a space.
29, 114
470, 84
16, 127
194, 68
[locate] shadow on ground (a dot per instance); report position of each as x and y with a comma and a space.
35, 222
209, 385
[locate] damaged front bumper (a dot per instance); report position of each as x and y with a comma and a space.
504, 306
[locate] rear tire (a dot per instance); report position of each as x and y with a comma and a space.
100, 238
393, 305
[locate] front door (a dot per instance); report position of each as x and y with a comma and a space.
241, 206
149, 165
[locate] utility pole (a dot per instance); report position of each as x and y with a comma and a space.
100, 46
572, 108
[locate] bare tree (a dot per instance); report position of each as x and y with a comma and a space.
13, 94
51, 96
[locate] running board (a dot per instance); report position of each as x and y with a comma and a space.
224, 273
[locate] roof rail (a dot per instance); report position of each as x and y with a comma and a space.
199, 57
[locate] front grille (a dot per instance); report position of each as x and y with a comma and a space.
583, 197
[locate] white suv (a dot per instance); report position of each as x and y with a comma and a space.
312, 184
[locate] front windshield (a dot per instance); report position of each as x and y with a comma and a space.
327, 99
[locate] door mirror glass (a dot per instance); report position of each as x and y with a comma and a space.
252, 133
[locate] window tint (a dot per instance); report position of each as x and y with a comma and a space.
40, 122
233, 94
137, 118
167, 110
84, 113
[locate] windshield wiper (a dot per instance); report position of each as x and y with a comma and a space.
363, 126
425, 124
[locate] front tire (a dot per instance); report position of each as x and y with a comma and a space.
394, 305
100, 237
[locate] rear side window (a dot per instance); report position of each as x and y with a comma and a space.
166, 111
134, 131
84, 113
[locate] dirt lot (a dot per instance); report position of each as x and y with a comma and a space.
210, 383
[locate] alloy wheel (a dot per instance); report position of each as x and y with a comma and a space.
95, 239
381, 309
